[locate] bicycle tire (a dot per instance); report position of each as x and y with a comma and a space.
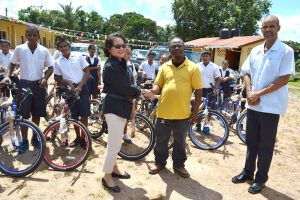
48, 103
62, 162
143, 126
240, 128
39, 155
96, 119
206, 141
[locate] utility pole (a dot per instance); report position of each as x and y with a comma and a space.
5, 12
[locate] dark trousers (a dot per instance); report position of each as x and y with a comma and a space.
260, 139
164, 128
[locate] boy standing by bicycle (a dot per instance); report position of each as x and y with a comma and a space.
33, 58
72, 71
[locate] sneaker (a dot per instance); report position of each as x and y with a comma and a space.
206, 129
35, 142
23, 146
198, 128
127, 138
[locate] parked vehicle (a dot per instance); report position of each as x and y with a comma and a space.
138, 55
81, 49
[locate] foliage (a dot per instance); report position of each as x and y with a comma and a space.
131, 24
205, 18
296, 47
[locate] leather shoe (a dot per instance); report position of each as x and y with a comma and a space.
113, 189
124, 176
155, 168
181, 171
256, 188
241, 178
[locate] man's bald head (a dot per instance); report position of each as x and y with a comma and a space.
271, 18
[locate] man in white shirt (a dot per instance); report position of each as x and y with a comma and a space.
5, 56
226, 77
266, 73
72, 70
210, 73
148, 67
33, 58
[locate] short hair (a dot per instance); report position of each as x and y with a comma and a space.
91, 46
177, 38
276, 19
63, 40
32, 29
110, 41
151, 53
225, 62
206, 52
5, 41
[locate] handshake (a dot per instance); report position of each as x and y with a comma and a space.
147, 94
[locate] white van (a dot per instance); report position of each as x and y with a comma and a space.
81, 49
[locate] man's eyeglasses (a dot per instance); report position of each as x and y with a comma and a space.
118, 46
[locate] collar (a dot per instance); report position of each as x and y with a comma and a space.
26, 44
170, 64
274, 47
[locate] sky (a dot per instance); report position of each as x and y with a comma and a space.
160, 11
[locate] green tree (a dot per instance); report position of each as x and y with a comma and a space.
69, 15
205, 18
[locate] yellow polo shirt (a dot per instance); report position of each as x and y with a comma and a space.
177, 85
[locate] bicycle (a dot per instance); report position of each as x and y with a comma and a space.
215, 130
17, 157
241, 126
59, 132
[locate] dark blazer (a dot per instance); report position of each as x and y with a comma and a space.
119, 90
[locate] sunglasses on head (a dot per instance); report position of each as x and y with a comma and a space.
118, 46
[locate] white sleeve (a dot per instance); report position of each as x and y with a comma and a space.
83, 62
15, 59
287, 65
57, 70
49, 59
246, 67
217, 72
141, 67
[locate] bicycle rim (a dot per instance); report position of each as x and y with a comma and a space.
241, 127
95, 120
209, 136
59, 155
15, 159
142, 139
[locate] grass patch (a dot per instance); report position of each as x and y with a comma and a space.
295, 83
70, 190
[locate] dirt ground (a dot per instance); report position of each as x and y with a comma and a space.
211, 173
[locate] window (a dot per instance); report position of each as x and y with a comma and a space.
22, 39
3, 35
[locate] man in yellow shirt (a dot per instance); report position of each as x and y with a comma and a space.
175, 82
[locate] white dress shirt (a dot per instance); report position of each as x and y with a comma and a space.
5, 60
266, 68
71, 69
149, 69
209, 73
32, 64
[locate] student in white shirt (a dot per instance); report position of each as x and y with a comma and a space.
72, 71
33, 58
5, 56
266, 73
94, 66
148, 67
226, 77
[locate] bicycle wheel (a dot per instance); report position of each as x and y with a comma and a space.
15, 159
213, 134
49, 107
142, 141
96, 119
59, 155
241, 126
228, 108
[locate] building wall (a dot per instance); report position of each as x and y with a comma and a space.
246, 51
15, 32
219, 56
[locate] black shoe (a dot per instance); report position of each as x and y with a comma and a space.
256, 188
124, 176
35, 142
241, 178
113, 189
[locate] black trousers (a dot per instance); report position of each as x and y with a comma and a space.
260, 139
164, 128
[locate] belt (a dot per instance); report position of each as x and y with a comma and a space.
30, 82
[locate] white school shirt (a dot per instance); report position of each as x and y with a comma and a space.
264, 69
149, 69
70, 69
223, 73
57, 54
5, 60
209, 73
93, 59
32, 64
